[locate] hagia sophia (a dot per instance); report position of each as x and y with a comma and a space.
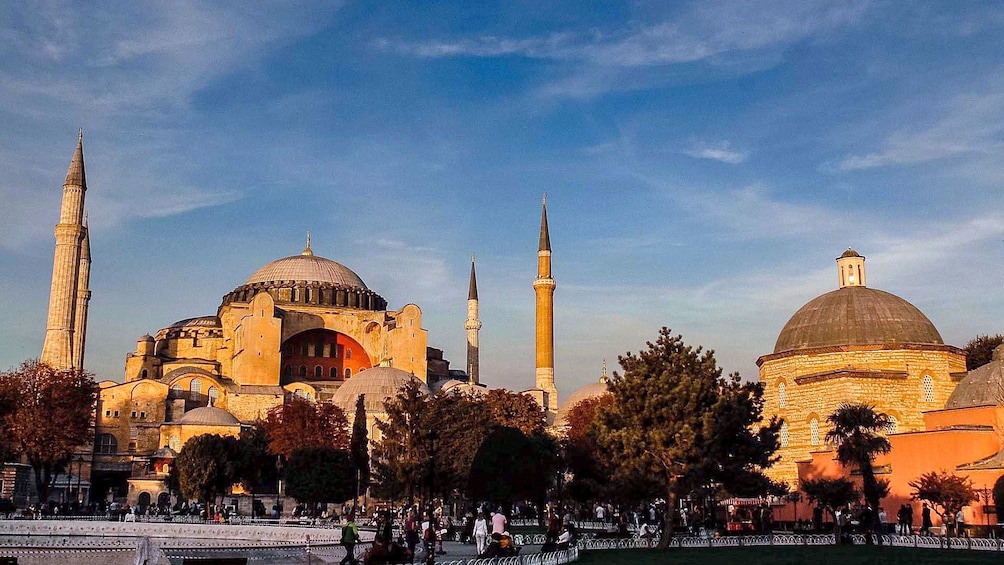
307, 326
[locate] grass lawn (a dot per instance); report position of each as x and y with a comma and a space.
836, 555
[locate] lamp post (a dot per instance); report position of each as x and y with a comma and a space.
80, 471
278, 485
985, 493
430, 542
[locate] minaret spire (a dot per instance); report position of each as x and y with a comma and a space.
307, 250
543, 287
58, 349
83, 298
473, 326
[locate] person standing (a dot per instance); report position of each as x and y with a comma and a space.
350, 534
411, 531
960, 523
481, 533
925, 520
883, 521
499, 522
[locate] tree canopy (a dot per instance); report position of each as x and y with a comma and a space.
674, 420
299, 423
45, 414
359, 446
947, 493
511, 466
256, 468
207, 467
320, 475
979, 351
858, 433
830, 494
586, 462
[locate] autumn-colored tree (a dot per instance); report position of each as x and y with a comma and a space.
513, 410
980, 350
47, 416
207, 467
668, 421
583, 457
360, 449
299, 423
858, 433
947, 493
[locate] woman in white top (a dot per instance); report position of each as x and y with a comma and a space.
481, 533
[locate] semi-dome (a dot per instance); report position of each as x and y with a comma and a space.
856, 315
378, 384
209, 416
982, 386
309, 268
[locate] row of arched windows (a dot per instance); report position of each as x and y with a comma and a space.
927, 384
815, 439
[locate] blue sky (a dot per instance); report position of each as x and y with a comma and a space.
704, 163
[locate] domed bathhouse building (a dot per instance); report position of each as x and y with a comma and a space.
585, 392
301, 325
853, 344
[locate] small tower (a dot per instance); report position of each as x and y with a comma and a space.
472, 325
57, 351
543, 286
851, 269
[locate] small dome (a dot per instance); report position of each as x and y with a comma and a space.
849, 253
146, 338
164, 453
856, 315
378, 384
209, 416
455, 386
591, 390
981, 387
200, 322
310, 268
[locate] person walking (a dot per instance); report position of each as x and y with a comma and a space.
960, 524
481, 533
411, 536
350, 534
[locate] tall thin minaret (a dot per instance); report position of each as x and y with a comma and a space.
57, 351
83, 298
472, 325
543, 286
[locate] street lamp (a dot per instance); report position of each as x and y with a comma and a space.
430, 542
987, 507
278, 485
80, 471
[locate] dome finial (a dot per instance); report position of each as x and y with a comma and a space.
307, 251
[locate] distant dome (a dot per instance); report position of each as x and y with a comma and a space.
591, 390
378, 384
849, 253
462, 387
209, 416
856, 315
164, 453
310, 268
200, 322
982, 386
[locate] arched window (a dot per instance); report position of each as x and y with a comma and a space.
288, 370
318, 371
196, 386
928, 388
174, 443
814, 431
784, 434
348, 353
303, 370
333, 373
106, 444
348, 372
214, 395
144, 374
782, 397
893, 423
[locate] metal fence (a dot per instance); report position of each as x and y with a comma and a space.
931, 542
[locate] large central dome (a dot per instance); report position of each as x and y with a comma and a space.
310, 268
856, 315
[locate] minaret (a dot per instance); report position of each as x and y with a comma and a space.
83, 298
543, 286
472, 325
58, 348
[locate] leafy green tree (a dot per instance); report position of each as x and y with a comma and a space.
674, 416
400, 459
207, 467
508, 409
46, 416
582, 455
359, 446
255, 464
857, 431
980, 350
510, 466
999, 492
947, 493
320, 475
831, 494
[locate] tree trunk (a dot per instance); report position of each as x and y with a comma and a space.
668, 519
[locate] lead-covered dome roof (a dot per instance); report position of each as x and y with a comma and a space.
856, 315
982, 386
209, 416
378, 384
309, 268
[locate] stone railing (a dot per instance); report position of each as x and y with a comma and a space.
83, 533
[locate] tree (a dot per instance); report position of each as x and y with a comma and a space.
359, 446
255, 466
856, 430
980, 350
320, 475
300, 423
47, 415
207, 467
513, 410
674, 416
947, 493
510, 466
583, 456
400, 458
830, 494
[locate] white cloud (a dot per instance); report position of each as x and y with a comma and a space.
717, 152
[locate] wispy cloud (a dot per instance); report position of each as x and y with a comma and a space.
717, 152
